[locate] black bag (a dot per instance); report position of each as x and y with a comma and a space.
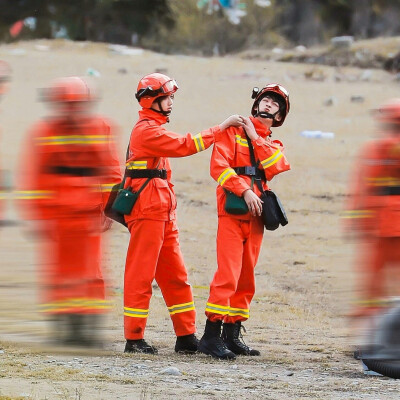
235, 204
273, 213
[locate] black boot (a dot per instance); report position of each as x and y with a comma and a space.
139, 346
233, 340
186, 344
212, 344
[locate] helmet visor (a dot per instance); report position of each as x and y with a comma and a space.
169, 86
275, 87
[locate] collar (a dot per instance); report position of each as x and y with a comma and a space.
148, 113
261, 129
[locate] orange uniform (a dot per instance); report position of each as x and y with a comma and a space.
154, 251
66, 174
239, 237
373, 211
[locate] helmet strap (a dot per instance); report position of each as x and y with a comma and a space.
161, 111
266, 115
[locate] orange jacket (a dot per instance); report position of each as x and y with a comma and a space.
374, 201
232, 150
150, 145
67, 169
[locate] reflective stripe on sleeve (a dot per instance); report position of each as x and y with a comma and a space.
226, 175
180, 308
268, 162
198, 141
136, 312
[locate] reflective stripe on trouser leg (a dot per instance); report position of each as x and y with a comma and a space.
171, 276
143, 252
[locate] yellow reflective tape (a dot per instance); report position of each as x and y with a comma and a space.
268, 162
226, 175
198, 141
241, 141
107, 187
136, 312
383, 181
136, 165
179, 308
72, 139
239, 313
357, 214
217, 309
32, 194
74, 304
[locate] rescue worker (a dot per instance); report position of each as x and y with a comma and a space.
67, 169
239, 237
373, 212
154, 251
5, 73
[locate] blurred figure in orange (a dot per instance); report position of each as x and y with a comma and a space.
68, 167
5, 74
373, 213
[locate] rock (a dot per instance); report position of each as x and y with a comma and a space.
289, 373
357, 99
171, 371
330, 101
342, 42
366, 75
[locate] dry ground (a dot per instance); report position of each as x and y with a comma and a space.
304, 275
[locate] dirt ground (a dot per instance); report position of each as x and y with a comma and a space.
304, 276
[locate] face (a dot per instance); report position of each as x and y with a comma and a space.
267, 104
72, 110
166, 103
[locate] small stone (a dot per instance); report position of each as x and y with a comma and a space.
289, 373
171, 371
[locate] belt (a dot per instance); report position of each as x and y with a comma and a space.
76, 171
146, 173
389, 191
250, 171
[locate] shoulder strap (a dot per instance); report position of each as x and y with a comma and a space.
253, 161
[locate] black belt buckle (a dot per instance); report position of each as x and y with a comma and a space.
250, 171
163, 173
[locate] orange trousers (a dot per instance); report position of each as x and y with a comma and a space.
154, 253
379, 267
72, 276
233, 285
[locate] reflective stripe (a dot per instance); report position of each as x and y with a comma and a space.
216, 309
136, 165
198, 141
179, 308
357, 214
268, 162
72, 139
108, 187
136, 312
2, 195
32, 194
243, 312
384, 181
240, 141
75, 304
226, 175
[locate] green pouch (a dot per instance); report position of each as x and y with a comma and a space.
125, 201
235, 204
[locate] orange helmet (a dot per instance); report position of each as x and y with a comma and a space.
275, 90
68, 90
389, 112
153, 86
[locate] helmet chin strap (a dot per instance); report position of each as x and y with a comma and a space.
266, 115
161, 111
